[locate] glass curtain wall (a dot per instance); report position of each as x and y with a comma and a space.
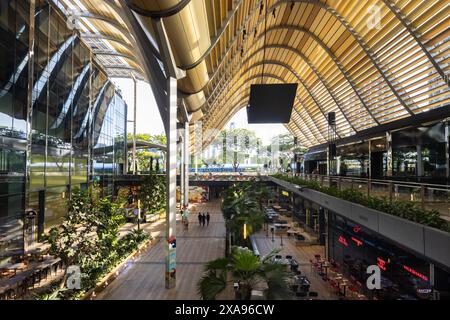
76, 110
14, 35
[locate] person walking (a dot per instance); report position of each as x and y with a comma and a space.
208, 217
199, 218
203, 219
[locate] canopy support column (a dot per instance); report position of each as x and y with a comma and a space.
173, 73
185, 169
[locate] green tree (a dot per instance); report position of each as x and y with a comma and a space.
242, 206
153, 193
249, 270
237, 146
145, 157
73, 240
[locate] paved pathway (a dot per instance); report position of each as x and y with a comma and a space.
143, 279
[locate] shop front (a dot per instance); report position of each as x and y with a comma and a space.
404, 275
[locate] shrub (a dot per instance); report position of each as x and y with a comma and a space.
404, 209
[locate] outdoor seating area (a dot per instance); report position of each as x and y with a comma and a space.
328, 271
280, 220
299, 284
22, 273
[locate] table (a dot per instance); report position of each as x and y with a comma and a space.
18, 280
325, 266
16, 266
343, 284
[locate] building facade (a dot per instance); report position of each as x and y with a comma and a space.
62, 121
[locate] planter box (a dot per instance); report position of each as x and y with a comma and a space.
432, 243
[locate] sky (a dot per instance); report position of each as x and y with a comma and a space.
149, 120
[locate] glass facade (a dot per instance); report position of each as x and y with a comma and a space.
78, 118
417, 152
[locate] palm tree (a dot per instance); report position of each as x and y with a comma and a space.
242, 205
244, 267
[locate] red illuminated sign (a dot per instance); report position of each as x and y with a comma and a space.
343, 241
415, 273
381, 263
356, 229
358, 242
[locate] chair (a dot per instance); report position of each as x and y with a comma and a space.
301, 294
289, 257
313, 294
278, 256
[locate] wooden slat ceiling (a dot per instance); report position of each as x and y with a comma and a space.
368, 73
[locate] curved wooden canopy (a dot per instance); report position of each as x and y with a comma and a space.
369, 71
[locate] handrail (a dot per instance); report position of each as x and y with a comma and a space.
387, 181
426, 194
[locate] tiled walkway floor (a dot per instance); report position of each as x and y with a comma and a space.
144, 277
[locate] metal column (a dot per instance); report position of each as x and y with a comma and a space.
419, 164
389, 154
170, 125
171, 178
29, 119
186, 164
181, 155
134, 126
447, 148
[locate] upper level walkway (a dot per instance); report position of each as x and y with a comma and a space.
430, 196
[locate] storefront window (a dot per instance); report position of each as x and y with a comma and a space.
354, 248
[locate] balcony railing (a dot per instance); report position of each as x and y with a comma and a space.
428, 196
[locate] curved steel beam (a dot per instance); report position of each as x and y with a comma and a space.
237, 107
276, 77
222, 115
114, 67
357, 37
97, 36
329, 52
407, 25
294, 73
214, 41
372, 56
316, 72
108, 20
115, 54
158, 14
120, 10
301, 102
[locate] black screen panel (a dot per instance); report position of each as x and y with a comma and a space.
271, 103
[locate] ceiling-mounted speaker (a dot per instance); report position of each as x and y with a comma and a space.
331, 118
271, 103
